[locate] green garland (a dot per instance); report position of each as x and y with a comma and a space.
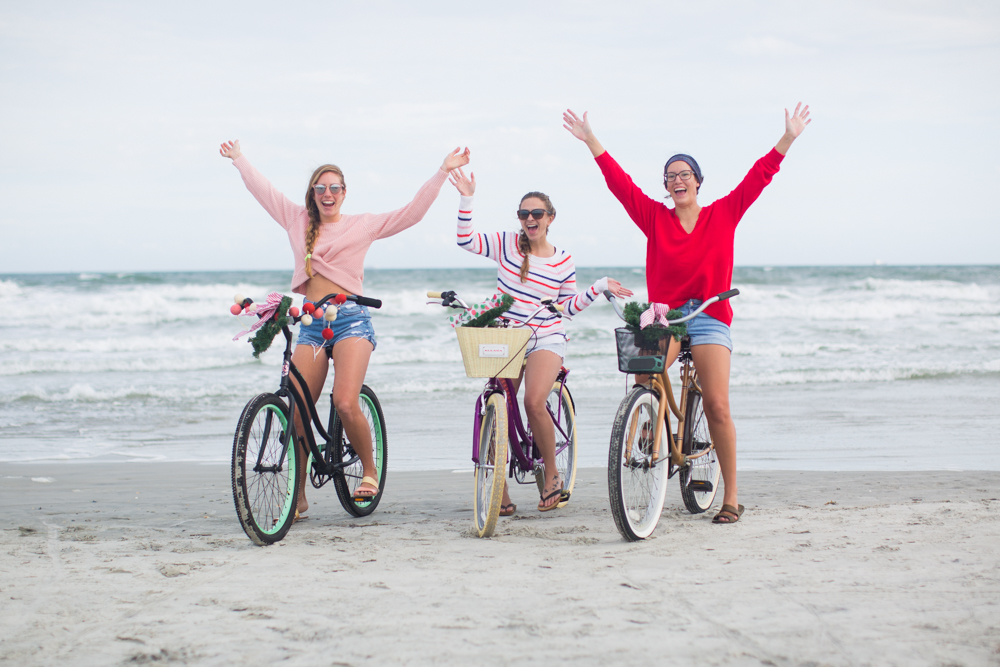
489, 317
265, 335
650, 337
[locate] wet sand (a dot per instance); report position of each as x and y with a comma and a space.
146, 563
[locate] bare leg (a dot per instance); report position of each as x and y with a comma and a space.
350, 363
313, 366
539, 375
712, 363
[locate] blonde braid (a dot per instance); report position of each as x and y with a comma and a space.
314, 222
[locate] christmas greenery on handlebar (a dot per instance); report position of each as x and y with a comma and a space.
650, 337
482, 315
265, 335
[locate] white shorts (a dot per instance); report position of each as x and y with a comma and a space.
555, 344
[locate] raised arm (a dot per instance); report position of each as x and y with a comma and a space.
466, 236
388, 224
278, 206
794, 125
580, 128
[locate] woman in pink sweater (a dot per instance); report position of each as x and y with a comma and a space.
329, 248
689, 257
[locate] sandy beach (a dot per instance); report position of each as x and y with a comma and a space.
146, 563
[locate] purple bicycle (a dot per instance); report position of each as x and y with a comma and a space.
497, 353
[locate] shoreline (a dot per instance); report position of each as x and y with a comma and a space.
148, 563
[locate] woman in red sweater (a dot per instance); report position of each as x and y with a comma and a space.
689, 257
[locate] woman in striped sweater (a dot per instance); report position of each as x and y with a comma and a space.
530, 269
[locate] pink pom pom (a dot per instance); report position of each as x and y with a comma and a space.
235, 309
293, 311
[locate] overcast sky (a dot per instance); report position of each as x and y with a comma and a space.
111, 115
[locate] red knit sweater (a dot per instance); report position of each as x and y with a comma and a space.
682, 266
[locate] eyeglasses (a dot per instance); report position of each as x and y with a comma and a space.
670, 177
335, 189
536, 213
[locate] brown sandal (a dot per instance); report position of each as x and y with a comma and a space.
728, 514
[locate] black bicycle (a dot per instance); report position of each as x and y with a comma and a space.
266, 465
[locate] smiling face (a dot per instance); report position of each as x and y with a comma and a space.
535, 230
684, 193
327, 203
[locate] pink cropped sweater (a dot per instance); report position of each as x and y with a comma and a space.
339, 252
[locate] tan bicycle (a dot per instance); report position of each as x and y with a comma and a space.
645, 451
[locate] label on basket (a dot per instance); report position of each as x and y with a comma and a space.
500, 350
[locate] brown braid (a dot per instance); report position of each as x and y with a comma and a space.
523, 244
313, 232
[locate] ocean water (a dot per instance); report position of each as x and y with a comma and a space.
834, 368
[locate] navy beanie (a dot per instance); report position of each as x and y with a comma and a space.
690, 162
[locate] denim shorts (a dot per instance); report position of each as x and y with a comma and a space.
553, 343
705, 329
353, 321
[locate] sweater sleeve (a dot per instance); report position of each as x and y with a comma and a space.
276, 204
763, 170
641, 208
487, 245
383, 225
573, 302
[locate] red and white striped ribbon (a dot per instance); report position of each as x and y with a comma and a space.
264, 312
657, 312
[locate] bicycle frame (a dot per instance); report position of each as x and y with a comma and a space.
288, 391
660, 383
522, 458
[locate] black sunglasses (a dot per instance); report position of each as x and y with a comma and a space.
335, 188
536, 213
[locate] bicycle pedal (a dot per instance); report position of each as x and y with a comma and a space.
700, 485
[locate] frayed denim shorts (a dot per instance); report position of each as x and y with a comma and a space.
705, 329
553, 343
353, 321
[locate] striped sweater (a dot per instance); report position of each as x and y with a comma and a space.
340, 249
548, 277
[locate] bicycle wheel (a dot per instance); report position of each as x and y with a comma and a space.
703, 472
636, 485
344, 451
491, 471
562, 407
265, 487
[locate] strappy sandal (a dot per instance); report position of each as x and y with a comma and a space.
508, 509
563, 499
364, 497
728, 514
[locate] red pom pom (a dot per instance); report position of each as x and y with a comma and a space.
308, 308
235, 309
293, 311
339, 299
327, 334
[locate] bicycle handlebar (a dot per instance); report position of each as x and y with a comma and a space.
705, 304
450, 299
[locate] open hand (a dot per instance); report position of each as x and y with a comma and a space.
465, 186
455, 159
230, 149
797, 122
616, 288
578, 127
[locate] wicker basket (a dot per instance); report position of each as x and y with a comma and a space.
493, 352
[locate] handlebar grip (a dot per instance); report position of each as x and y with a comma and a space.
728, 295
434, 295
559, 307
365, 301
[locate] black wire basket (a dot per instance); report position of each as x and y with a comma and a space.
634, 359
